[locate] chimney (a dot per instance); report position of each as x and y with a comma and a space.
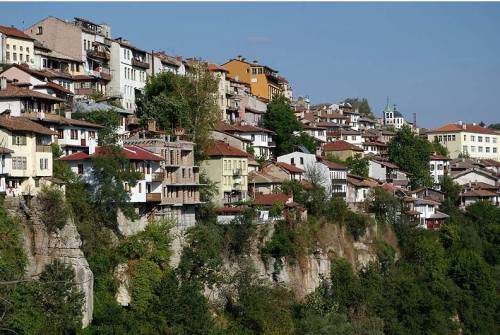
240, 57
3, 83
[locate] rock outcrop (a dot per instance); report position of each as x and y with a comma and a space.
43, 247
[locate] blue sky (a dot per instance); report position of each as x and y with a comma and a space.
441, 61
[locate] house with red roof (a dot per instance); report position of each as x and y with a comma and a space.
148, 187
227, 166
342, 149
471, 140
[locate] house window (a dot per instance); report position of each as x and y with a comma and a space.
20, 57
432, 167
27, 49
465, 148
494, 140
465, 137
487, 139
472, 149
453, 137
440, 166
8, 46
60, 133
19, 163
14, 57
40, 30
80, 169
44, 163
27, 58
479, 149
21, 48
7, 56
302, 160
479, 138
292, 161
74, 134
19, 140
494, 150
472, 138
140, 188
487, 149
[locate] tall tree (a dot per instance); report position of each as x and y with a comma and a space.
412, 154
361, 105
188, 101
281, 119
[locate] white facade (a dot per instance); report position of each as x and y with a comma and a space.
473, 176
16, 50
438, 169
127, 77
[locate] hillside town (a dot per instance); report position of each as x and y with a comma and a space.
170, 172
57, 68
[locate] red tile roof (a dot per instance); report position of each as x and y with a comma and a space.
77, 156
14, 123
58, 119
54, 86
270, 199
453, 127
223, 149
341, 146
14, 32
246, 128
439, 158
17, 92
332, 165
479, 193
217, 68
290, 168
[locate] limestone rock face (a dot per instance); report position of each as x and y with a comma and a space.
128, 227
123, 294
43, 247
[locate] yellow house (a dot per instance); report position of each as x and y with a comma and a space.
29, 145
264, 82
227, 166
467, 139
15, 46
342, 149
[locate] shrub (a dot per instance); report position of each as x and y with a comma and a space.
53, 208
357, 224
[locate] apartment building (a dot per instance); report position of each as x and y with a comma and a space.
467, 140
264, 82
129, 65
16, 47
162, 62
179, 177
228, 167
26, 154
47, 59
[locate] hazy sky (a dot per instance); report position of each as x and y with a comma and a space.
441, 61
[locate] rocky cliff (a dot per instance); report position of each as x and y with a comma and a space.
43, 247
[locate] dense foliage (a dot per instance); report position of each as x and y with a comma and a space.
412, 153
362, 106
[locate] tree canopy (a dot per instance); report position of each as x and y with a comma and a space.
362, 105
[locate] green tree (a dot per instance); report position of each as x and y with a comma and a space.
438, 148
281, 119
307, 141
358, 165
412, 154
188, 101
110, 172
362, 106
109, 119
494, 126
54, 211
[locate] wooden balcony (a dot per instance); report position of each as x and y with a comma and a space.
139, 63
99, 54
43, 148
153, 197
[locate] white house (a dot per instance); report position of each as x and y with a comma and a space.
129, 66
439, 166
474, 175
262, 139
148, 187
319, 133
166, 63
16, 47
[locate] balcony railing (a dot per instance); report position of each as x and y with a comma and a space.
139, 63
99, 54
43, 148
157, 176
153, 197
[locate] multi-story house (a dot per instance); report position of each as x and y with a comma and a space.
349, 135
16, 47
263, 80
366, 123
467, 140
384, 171
47, 59
148, 187
342, 149
72, 135
228, 167
354, 116
5, 166
29, 147
262, 139
16, 100
319, 133
229, 107
161, 62
392, 117
82, 40
129, 65
178, 177
439, 166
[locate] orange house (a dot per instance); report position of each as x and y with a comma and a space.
264, 82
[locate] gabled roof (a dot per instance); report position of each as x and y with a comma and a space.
54, 86
58, 119
453, 127
289, 167
439, 158
270, 199
479, 193
217, 68
263, 178
77, 156
341, 146
331, 165
473, 170
359, 181
220, 149
17, 92
20, 123
131, 152
14, 32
